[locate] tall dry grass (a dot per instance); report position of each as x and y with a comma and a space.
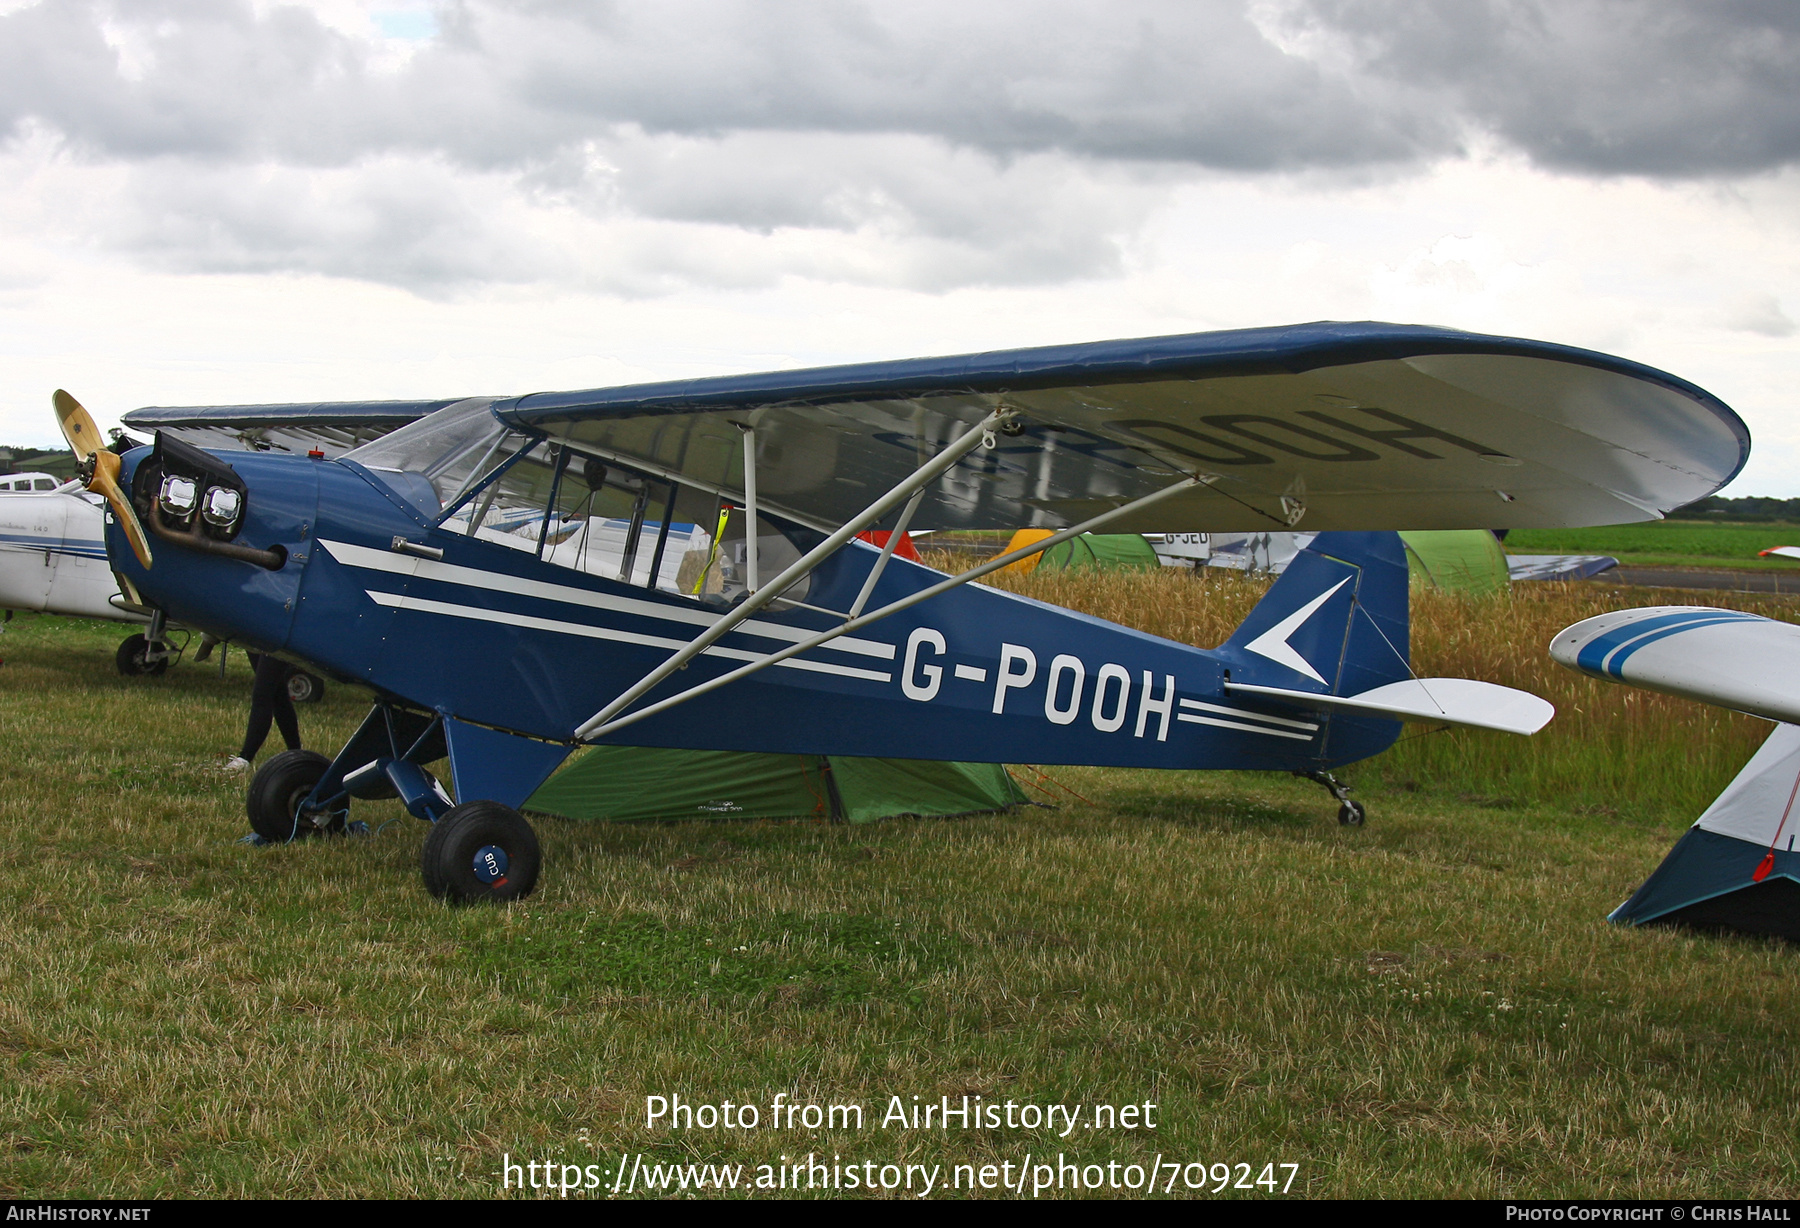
1611, 747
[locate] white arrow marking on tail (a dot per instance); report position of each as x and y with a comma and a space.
1274, 645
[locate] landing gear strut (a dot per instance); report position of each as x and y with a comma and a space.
478, 851
1350, 814
149, 653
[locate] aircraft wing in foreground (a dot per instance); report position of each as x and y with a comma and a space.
1736, 868
676, 564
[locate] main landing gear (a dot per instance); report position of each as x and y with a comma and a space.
476, 851
277, 795
480, 851
1350, 814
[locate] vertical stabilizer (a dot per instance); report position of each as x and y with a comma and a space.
1335, 622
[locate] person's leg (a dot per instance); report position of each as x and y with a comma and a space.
271, 679
285, 720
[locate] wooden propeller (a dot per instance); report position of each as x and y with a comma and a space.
101, 466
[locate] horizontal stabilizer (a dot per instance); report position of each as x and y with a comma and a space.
1451, 701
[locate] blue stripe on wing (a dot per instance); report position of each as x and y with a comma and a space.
1607, 652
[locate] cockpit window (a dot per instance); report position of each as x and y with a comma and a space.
509, 510
475, 476
433, 461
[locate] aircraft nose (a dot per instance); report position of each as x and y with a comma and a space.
198, 502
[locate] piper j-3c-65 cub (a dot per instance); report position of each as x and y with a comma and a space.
459, 566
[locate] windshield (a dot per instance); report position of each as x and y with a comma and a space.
434, 460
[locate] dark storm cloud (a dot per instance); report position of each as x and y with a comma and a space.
1190, 82
992, 143
1675, 88
1664, 87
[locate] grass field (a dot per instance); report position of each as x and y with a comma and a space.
1432, 1005
1666, 543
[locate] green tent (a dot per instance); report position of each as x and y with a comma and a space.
1457, 560
618, 783
1102, 552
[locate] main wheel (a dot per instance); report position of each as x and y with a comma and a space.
134, 660
1351, 814
480, 851
276, 792
305, 688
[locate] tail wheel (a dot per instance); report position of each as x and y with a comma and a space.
305, 688
1351, 814
480, 851
134, 660
276, 792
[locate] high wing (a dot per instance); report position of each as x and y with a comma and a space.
332, 427
1320, 426
1325, 425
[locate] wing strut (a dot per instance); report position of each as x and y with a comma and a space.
887, 552
751, 543
799, 570
603, 722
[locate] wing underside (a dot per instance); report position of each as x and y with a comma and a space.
1321, 426
333, 428
1426, 430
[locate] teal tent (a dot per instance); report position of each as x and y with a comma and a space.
622, 783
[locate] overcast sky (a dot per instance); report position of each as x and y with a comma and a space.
207, 201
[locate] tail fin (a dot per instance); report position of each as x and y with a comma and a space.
1334, 623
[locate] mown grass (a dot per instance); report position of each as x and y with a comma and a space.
1666, 543
1432, 1005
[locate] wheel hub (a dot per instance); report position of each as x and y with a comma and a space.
490, 864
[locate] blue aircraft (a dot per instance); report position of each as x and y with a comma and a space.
499, 572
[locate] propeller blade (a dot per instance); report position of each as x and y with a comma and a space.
77, 425
106, 482
84, 437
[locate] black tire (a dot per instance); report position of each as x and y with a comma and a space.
277, 790
305, 688
1351, 814
480, 829
133, 658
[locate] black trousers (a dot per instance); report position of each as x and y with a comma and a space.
269, 699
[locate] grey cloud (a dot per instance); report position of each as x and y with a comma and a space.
1677, 88
958, 143
1757, 313
506, 84
1671, 87
399, 222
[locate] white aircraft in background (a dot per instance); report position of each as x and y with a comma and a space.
53, 558
1737, 867
1252, 552
53, 561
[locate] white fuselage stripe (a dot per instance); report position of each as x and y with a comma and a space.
1309, 726
450, 573
399, 601
1272, 733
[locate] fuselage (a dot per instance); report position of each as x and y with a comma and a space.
373, 591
